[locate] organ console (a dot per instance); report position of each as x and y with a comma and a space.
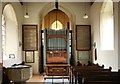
56, 52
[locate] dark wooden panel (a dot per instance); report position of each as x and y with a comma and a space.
57, 69
30, 37
83, 37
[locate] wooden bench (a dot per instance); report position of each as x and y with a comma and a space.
80, 72
89, 76
76, 69
112, 78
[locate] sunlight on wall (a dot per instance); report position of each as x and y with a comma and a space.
3, 36
9, 36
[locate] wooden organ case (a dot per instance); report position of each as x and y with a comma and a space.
56, 53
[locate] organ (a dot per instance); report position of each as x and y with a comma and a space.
57, 52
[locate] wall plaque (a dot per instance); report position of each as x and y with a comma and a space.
30, 37
83, 37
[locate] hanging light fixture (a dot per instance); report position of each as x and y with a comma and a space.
26, 10
85, 15
56, 6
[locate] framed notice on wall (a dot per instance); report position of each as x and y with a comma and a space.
83, 37
30, 37
29, 56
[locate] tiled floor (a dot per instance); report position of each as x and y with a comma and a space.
56, 81
39, 79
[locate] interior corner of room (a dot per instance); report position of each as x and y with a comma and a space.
47, 38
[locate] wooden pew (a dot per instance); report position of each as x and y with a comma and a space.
87, 74
98, 76
94, 75
111, 78
82, 69
79, 71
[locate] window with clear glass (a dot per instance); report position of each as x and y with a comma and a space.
3, 35
107, 26
56, 25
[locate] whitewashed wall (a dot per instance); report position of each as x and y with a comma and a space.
13, 49
0, 41
75, 11
106, 57
119, 35
109, 58
0, 33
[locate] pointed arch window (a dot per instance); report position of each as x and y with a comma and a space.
107, 26
57, 25
9, 29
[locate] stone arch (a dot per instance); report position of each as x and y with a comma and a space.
11, 29
8, 10
63, 7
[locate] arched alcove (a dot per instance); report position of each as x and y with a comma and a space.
63, 7
57, 16
10, 36
49, 7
